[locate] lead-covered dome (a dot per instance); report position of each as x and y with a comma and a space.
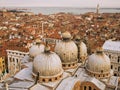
68, 51
82, 49
36, 49
98, 64
49, 66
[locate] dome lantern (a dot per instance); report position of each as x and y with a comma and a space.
99, 50
77, 38
38, 41
66, 36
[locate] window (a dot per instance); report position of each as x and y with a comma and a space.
50, 80
101, 71
115, 74
85, 88
119, 68
63, 65
43, 80
2, 61
111, 66
73, 64
17, 60
109, 56
90, 88
56, 78
76, 75
118, 58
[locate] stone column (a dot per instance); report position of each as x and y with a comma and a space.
15, 64
9, 63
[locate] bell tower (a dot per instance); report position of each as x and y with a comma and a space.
97, 9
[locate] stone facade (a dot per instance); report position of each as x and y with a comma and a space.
88, 86
115, 61
14, 60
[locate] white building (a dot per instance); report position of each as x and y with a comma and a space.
14, 60
112, 49
61, 71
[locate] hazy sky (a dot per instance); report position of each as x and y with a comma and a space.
61, 3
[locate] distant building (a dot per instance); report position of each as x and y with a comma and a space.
14, 60
97, 9
51, 40
112, 49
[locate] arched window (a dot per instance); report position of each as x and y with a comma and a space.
50, 80
101, 71
43, 80
115, 74
85, 88
111, 66
118, 58
90, 88
17, 60
68, 65
110, 56
63, 65
55, 78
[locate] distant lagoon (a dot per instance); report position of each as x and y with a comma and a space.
73, 10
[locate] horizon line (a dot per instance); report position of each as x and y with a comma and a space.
57, 6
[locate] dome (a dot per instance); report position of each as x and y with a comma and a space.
49, 66
68, 52
98, 64
36, 50
82, 51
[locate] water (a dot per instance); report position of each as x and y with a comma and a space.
52, 10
